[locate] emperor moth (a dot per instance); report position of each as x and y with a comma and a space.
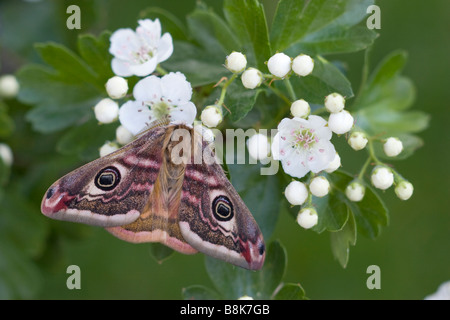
140, 193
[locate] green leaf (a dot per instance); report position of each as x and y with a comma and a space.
342, 239
332, 212
325, 78
199, 68
6, 123
199, 293
212, 33
240, 100
234, 282
70, 67
335, 41
86, 139
261, 194
290, 291
370, 213
247, 19
169, 22
160, 252
95, 52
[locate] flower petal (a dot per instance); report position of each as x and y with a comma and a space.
148, 89
174, 87
184, 113
321, 156
135, 116
165, 47
144, 69
121, 67
150, 31
296, 169
123, 43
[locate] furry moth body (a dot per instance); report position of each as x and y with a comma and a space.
140, 193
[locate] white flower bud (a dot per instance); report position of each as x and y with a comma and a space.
9, 86
303, 65
236, 62
404, 190
319, 186
307, 218
382, 177
334, 102
107, 148
279, 65
123, 136
393, 147
296, 193
355, 191
300, 108
245, 297
206, 133
6, 154
334, 165
252, 78
357, 140
106, 111
340, 122
211, 116
258, 146
116, 87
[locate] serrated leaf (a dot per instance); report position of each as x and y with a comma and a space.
169, 22
199, 293
234, 282
342, 239
86, 139
240, 100
324, 79
332, 212
290, 291
247, 19
212, 33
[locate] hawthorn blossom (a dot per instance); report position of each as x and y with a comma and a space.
303, 145
157, 98
138, 53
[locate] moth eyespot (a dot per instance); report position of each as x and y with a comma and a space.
50, 193
222, 208
107, 179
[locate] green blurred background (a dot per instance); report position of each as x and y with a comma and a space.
413, 252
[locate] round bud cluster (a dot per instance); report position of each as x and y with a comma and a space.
258, 146
106, 111
251, 78
6, 154
211, 116
236, 62
116, 87
357, 140
300, 109
296, 193
280, 65
319, 186
107, 148
9, 86
307, 217
382, 177
355, 191
393, 147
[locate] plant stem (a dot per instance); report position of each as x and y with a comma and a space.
290, 89
161, 70
364, 168
224, 89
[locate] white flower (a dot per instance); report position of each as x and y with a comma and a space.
340, 122
382, 177
107, 148
357, 140
236, 62
300, 108
138, 53
355, 191
393, 147
245, 297
123, 136
157, 98
404, 190
9, 86
296, 193
319, 186
303, 65
303, 145
334, 102
251, 78
6, 154
307, 218
211, 116
116, 87
106, 110
258, 146
279, 65
335, 164
442, 293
